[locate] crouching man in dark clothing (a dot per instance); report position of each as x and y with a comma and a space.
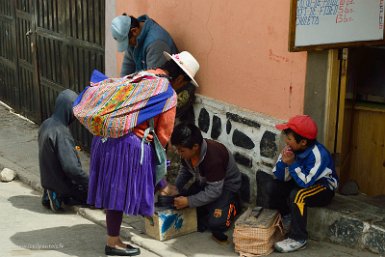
217, 180
61, 173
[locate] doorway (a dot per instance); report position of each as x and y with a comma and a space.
360, 135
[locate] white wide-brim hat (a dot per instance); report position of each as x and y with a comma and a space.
186, 62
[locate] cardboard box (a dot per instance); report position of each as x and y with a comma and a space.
171, 223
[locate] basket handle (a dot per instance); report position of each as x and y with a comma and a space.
278, 223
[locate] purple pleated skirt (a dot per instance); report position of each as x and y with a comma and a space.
117, 179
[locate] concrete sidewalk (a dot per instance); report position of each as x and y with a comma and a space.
27, 229
19, 151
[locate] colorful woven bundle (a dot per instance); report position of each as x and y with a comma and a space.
113, 107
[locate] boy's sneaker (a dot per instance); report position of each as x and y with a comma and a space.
54, 201
45, 200
290, 245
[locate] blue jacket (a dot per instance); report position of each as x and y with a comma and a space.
312, 166
148, 53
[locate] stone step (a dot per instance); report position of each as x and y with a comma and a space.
352, 221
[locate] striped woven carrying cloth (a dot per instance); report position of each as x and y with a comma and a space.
112, 107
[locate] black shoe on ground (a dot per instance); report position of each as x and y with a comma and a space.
202, 224
129, 251
201, 227
45, 200
55, 202
220, 237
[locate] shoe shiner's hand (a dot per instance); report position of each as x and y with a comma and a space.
181, 202
169, 190
288, 155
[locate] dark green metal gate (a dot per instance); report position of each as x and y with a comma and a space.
47, 46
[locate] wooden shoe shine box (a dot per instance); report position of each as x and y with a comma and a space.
170, 223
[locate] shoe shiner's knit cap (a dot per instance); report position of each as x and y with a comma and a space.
303, 125
120, 27
186, 62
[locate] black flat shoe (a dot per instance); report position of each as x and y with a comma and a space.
220, 237
129, 251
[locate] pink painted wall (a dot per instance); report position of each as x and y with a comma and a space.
241, 47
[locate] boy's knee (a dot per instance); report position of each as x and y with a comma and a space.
220, 220
217, 223
293, 195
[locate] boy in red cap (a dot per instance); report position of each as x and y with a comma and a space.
305, 176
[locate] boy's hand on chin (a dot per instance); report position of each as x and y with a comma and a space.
288, 155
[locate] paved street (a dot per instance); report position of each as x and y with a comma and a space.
28, 229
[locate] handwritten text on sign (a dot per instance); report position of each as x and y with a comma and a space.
334, 21
309, 12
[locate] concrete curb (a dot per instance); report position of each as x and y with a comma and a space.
25, 176
128, 232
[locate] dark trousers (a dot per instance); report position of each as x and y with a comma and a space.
287, 198
218, 215
77, 196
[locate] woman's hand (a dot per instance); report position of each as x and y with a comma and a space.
169, 190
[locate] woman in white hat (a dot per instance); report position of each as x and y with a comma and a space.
118, 182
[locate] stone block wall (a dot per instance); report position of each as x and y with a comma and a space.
250, 136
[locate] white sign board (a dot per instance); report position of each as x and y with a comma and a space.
331, 22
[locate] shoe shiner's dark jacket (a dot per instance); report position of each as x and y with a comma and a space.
60, 167
216, 171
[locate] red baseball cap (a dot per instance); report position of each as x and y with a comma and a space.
303, 125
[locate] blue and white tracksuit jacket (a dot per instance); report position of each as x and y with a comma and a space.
312, 166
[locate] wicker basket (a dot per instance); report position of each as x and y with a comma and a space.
255, 236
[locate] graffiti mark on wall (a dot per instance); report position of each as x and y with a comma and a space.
277, 58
